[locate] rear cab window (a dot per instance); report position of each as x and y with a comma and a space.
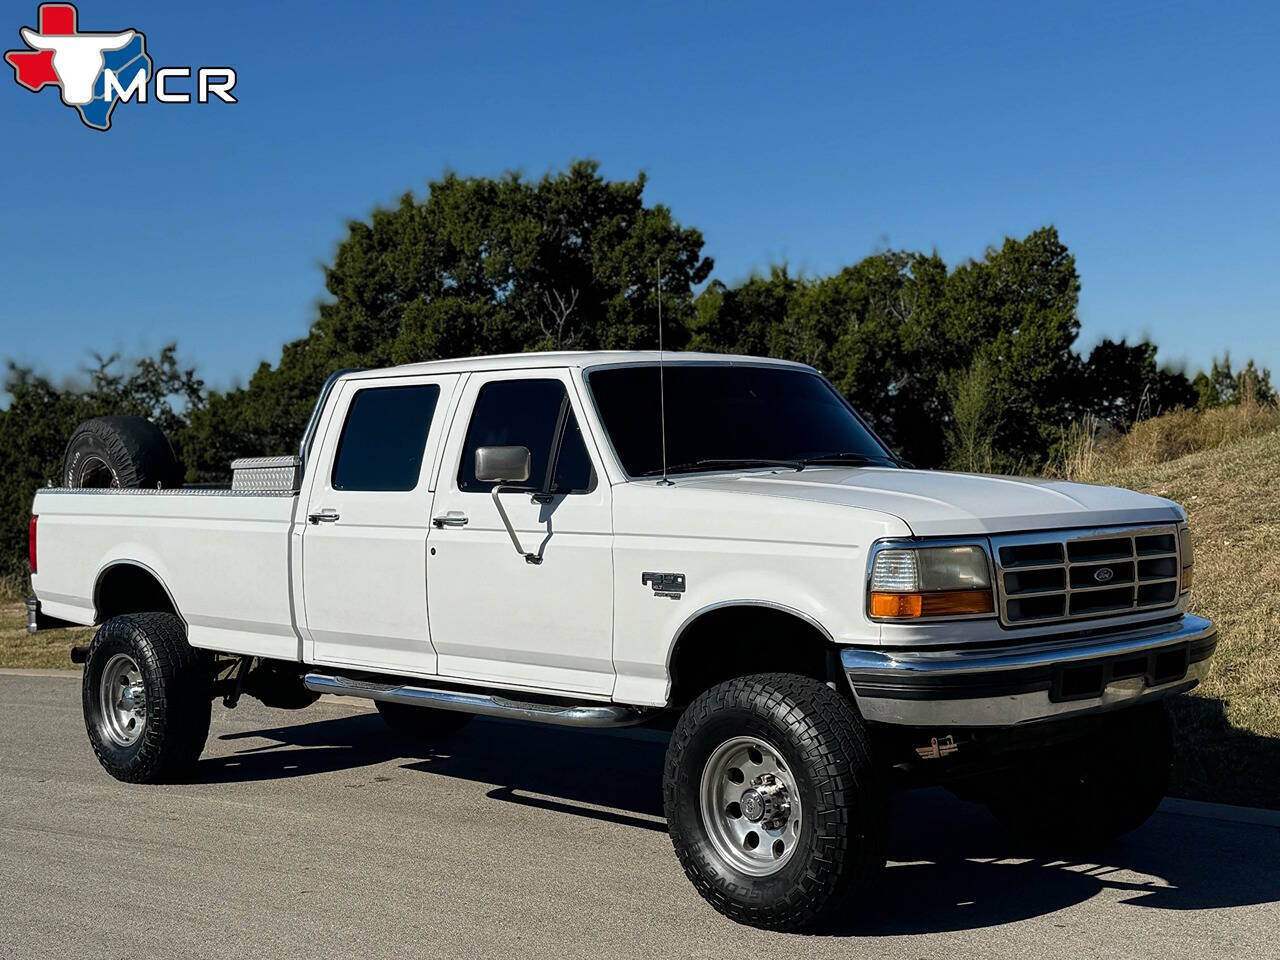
384, 438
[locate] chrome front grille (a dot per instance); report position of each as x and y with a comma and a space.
1080, 574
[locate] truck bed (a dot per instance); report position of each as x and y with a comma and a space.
224, 556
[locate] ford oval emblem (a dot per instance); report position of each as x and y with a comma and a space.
1103, 574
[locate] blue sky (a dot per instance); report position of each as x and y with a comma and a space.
1149, 134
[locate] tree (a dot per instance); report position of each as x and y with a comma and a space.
479, 266
887, 357
977, 410
861, 326
41, 416
1017, 308
1221, 387
745, 319
898, 334
1122, 384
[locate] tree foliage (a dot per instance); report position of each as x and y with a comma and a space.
974, 367
1122, 384
570, 261
41, 416
897, 332
1221, 387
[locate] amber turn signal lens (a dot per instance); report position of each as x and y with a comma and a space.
896, 605
943, 603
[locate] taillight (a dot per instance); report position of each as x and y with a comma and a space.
31, 542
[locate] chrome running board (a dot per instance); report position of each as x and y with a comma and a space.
483, 704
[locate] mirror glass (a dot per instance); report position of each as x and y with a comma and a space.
503, 464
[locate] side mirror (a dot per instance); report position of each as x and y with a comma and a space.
503, 464
499, 465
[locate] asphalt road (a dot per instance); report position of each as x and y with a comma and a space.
315, 834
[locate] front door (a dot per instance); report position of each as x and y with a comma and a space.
495, 616
364, 545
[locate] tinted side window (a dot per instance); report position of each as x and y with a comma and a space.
384, 438
527, 413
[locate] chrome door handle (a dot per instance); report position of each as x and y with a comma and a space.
454, 518
324, 516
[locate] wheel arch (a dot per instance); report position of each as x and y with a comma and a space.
732, 638
130, 586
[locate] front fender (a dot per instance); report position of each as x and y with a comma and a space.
822, 585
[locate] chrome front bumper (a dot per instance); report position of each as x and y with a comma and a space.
998, 686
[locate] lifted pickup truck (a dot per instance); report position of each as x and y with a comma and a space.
522, 537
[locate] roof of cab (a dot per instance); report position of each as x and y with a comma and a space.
567, 358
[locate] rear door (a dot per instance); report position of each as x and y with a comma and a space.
495, 616
368, 511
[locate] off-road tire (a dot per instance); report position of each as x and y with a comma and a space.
423, 724
121, 452
824, 743
178, 684
1091, 792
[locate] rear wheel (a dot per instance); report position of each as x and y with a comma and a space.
1095, 790
146, 696
424, 724
775, 809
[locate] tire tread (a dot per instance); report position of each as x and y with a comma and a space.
836, 752
179, 701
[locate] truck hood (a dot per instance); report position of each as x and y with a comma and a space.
937, 503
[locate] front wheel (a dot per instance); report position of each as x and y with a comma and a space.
774, 806
146, 695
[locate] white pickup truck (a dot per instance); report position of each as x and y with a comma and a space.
718, 546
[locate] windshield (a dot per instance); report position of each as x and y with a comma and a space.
721, 417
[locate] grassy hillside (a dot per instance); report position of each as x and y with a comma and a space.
1230, 726
49, 648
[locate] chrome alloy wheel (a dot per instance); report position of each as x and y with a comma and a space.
750, 806
122, 701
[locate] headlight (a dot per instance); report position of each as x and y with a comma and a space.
1188, 558
908, 583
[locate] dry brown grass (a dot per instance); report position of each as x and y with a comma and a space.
48, 648
1090, 451
13, 589
1230, 726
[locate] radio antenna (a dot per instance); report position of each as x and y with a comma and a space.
662, 387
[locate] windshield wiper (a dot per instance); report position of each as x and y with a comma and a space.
849, 457
728, 462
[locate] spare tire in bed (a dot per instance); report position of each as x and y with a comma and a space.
119, 452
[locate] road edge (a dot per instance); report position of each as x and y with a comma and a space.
1224, 812
39, 672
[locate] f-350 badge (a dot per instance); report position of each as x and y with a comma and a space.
669, 585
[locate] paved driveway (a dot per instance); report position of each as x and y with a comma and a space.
314, 834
